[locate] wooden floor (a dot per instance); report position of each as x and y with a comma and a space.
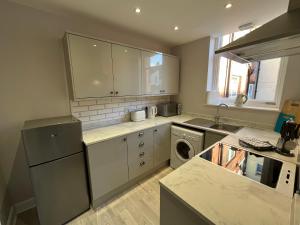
137, 206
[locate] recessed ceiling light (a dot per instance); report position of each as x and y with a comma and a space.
228, 5
176, 28
95, 45
137, 10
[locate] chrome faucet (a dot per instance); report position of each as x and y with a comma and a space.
217, 117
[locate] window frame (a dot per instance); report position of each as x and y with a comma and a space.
213, 97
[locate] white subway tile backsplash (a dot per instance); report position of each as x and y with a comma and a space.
104, 100
89, 113
117, 100
87, 102
112, 115
98, 117
119, 109
95, 107
80, 109
112, 105
84, 119
111, 110
103, 111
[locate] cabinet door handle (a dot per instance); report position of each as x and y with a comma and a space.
124, 139
117, 92
155, 130
111, 92
53, 135
141, 134
141, 144
142, 154
142, 163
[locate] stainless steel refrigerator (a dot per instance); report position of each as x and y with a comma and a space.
56, 162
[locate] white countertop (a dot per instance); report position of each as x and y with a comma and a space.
104, 133
225, 198
222, 197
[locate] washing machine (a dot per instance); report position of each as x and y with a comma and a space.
185, 144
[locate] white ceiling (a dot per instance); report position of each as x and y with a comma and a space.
195, 18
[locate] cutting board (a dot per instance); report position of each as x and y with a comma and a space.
290, 110
292, 107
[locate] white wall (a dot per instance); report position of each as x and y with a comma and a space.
267, 79
193, 81
32, 77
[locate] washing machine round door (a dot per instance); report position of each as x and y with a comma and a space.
184, 150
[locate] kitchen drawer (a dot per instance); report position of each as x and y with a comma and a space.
140, 166
140, 144
140, 152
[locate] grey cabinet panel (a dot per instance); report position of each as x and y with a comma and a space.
90, 67
212, 137
140, 152
60, 189
174, 212
108, 166
127, 70
162, 144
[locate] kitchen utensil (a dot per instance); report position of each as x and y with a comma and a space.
241, 99
152, 112
287, 142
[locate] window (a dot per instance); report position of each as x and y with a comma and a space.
261, 81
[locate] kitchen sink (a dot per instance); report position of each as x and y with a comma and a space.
226, 127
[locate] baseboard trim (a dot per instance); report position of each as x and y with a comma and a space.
12, 216
24, 205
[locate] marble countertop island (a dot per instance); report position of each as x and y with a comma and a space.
224, 198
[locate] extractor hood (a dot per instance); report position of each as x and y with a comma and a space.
277, 38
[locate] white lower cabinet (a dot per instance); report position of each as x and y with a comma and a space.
108, 166
114, 162
162, 144
140, 152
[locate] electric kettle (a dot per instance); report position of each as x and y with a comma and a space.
152, 111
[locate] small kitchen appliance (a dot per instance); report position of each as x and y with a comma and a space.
274, 173
138, 115
288, 140
152, 112
167, 109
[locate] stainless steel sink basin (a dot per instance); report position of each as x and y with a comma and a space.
226, 127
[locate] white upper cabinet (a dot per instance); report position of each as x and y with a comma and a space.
91, 67
127, 70
100, 69
170, 75
160, 73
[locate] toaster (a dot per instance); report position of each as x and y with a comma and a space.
167, 109
138, 115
